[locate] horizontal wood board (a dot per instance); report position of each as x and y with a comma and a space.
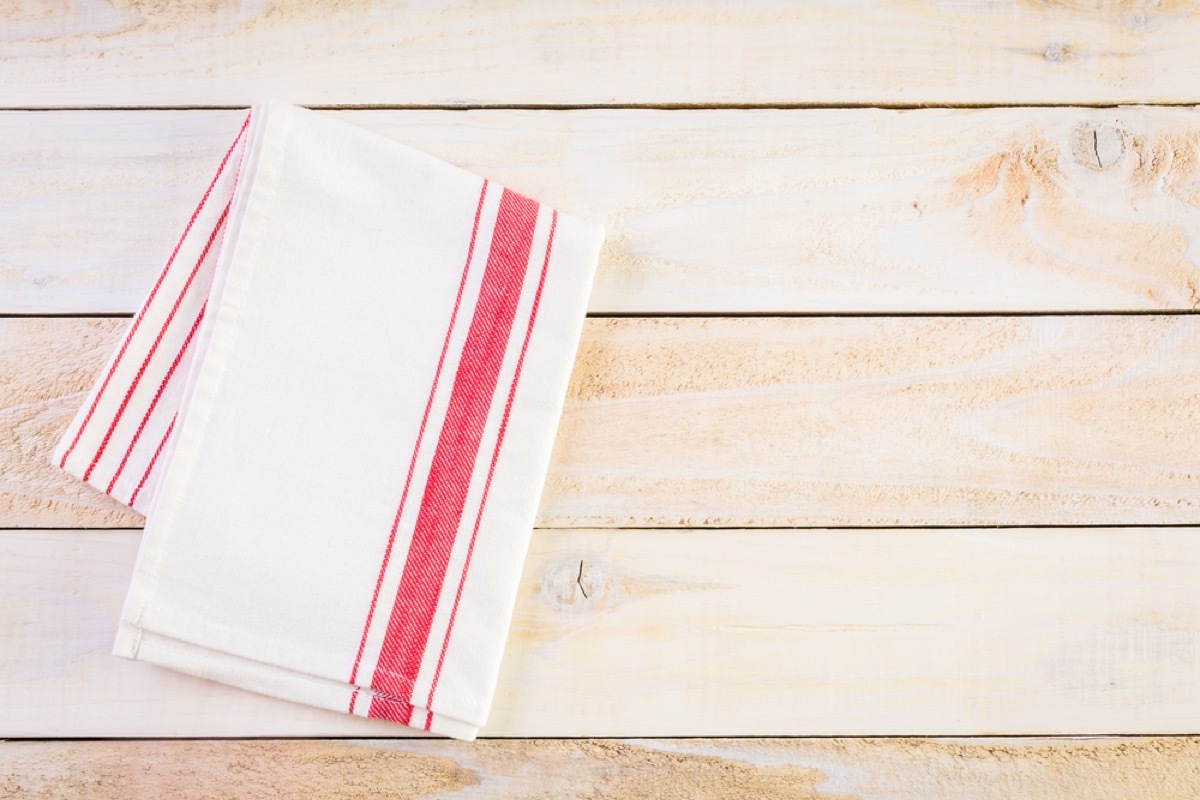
861, 421
706, 211
127, 53
700, 633
1148, 768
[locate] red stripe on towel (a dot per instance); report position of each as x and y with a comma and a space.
153, 347
389, 708
137, 320
457, 449
512, 391
162, 385
162, 442
387, 551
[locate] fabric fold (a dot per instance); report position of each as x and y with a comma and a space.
336, 407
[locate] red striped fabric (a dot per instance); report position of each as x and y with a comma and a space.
87, 474
454, 458
153, 460
391, 540
162, 385
122, 440
137, 320
508, 403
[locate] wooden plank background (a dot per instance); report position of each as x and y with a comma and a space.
702, 633
885, 422
714, 211
767, 422
1151, 768
596, 52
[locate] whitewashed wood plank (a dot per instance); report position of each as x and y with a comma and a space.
764, 422
1015, 209
47, 367
1148, 768
696, 51
706, 633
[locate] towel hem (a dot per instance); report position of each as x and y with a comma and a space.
138, 644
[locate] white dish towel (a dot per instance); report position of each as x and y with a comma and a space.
336, 408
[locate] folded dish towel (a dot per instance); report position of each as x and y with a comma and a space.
336, 408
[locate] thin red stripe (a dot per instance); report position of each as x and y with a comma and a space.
387, 551
162, 385
137, 320
153, 347
458, 448
512, 391
162, 442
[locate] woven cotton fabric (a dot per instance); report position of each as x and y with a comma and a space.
336, 408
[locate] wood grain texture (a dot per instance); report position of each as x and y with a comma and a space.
700, 633
44, 378
706, 211
130, 53
778, 422
1152, 768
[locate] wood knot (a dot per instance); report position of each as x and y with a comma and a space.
1098, 145
1057, 51
1137, 19
575, 585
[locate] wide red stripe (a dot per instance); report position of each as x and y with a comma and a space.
162, 385
389, 708
437, 373
457, 449
154, 346
508, 403
137, 320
